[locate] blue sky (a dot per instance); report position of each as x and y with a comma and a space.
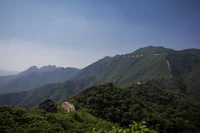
78, 32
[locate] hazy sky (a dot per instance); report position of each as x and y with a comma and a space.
78, 32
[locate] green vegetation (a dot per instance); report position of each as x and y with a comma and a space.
163, 111
56, 92
153, 50
98, 109
133, 128
185, 65
20, 120
123, 70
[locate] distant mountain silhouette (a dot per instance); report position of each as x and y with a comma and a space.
28, 71
34, 77
48, 68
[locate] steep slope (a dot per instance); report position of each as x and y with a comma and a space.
33, 79
177, 71
56, 92
126, 69
185, 65
163, 110
174, 70
182, 62
143, 64
185, 71
28, 71
94, 67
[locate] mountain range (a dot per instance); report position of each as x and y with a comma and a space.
172, 70
35, 77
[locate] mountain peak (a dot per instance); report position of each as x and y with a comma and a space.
29, 70
153, 50
33, 68
47, 68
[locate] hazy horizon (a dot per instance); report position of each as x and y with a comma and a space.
78, 33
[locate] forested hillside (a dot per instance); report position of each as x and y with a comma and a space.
177, 71
56, 92
20, 120
145, 108
163, 111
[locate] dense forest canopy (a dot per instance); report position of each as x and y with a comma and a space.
163, 111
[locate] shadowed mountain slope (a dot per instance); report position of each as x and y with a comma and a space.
177, 71
34, 77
